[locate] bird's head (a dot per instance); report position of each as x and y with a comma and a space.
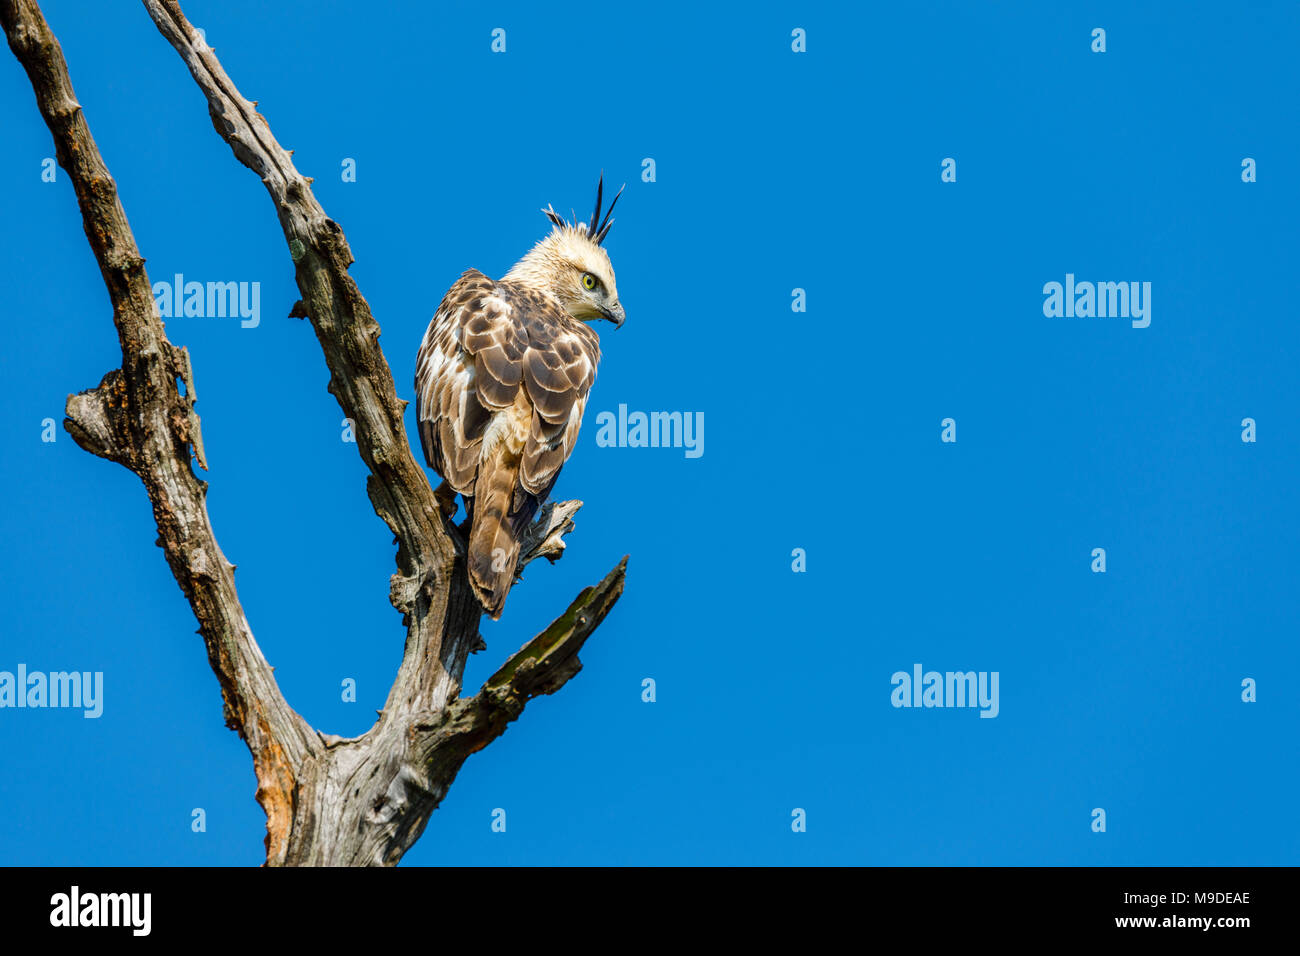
573, 266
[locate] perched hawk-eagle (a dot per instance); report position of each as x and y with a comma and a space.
501, 381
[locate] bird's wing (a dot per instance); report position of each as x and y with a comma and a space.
486, 339
469, 366
559, 368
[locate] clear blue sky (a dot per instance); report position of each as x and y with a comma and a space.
775, 171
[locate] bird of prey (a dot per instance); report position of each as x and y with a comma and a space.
501, 381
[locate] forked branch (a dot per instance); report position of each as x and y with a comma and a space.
327, 800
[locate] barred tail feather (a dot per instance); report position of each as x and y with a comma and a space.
502, 512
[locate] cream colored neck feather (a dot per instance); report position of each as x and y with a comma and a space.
548, 261
538, 268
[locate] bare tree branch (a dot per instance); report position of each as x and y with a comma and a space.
545, 537
138, 418
328, 800
542, 666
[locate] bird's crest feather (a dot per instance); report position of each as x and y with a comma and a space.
597, 229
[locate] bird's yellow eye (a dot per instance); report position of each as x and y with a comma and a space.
588, 281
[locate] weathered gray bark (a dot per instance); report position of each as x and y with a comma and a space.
328, 800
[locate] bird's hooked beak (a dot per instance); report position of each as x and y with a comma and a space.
615, 315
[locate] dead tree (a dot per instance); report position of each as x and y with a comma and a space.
328, 800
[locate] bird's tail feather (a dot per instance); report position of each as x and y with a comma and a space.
502, 512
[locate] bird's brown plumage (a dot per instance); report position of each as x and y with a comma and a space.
502, 378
